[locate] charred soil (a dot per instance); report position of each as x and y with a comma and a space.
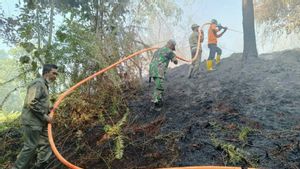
241, 114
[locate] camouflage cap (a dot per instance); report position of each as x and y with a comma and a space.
171, 43
194, 26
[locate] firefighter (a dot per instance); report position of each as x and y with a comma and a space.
212, 43
158, 67
193, 41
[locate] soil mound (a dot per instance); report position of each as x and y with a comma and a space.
240, 114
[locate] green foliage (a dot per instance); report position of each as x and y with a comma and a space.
244, 133
92, 35
235, 155
10, 137
26, 32
119, 147
31, 4
15, 100
61, 36
115, 129
8, 116
7, 119
24, 59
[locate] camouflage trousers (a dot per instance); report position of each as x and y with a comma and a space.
196, 62
158, 89
35, 140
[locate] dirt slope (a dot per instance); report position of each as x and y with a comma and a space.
240, 114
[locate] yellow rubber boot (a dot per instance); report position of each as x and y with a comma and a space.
218, 59
209, 65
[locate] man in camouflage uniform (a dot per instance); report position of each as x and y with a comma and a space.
193, 40
158, 68
34, 120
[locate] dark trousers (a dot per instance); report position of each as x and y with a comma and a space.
34, 140
213, 49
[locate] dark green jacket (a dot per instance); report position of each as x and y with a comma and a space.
193, 40
160, 62
36, 104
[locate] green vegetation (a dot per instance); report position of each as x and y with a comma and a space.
10, 137
11, 85
243, 135
8, 117
92, 35
235, 155
7, 120
116, 131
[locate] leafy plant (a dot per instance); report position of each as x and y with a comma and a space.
235, 155
115, 130
119, 147
243, 135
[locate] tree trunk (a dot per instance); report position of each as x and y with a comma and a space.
51, 23
97, 16
38, 32
49, 58
101, 20
38, 27
250, 50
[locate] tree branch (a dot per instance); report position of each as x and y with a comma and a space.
7, 96
14, 78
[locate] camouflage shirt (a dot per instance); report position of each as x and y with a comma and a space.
160, 62
36, 104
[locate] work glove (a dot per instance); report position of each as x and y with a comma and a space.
219, 26
48, 118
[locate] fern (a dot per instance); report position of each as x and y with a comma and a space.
119, 147
244, 133
116, 131
235, 155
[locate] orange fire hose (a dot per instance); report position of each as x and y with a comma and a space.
199, 42
206, 167
63, 95
67, 92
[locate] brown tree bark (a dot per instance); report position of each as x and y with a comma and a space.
250, 50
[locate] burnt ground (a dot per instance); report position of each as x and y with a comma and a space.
240, 114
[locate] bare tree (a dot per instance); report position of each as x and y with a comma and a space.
280, 16
250, 50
